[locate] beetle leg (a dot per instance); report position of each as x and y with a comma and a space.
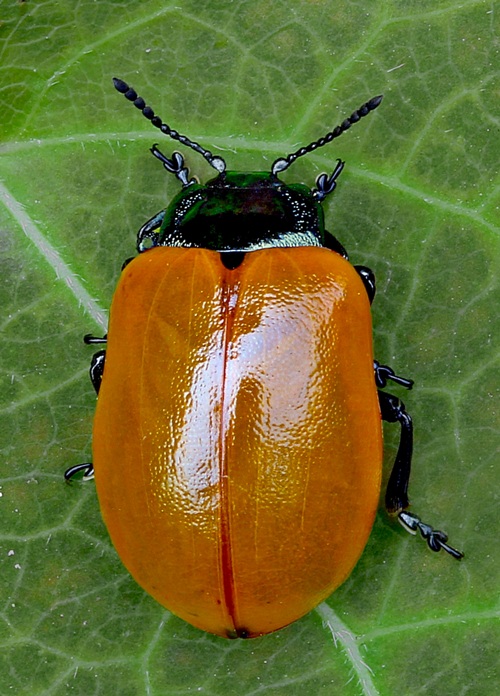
174, 165
87, 468
384, 372
368, 277
333, 243
97, 363
97, 369
436, 540
396, 496
393, 410
327, 184
127, 261
89, 340
149, 234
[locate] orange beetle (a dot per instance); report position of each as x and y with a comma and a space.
237, 442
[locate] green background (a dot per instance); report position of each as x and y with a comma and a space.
418, 202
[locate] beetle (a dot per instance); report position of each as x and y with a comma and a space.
237, 441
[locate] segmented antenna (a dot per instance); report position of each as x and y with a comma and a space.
130, 94
283, 163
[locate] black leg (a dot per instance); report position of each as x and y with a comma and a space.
384, 373
96, 371
396, 497
149, 234
327, 184
393, 410
436, 540
368, 277
333, 243
127, 261
98, 359
87, 468
89, 340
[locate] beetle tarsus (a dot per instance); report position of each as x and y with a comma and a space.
396, 497
174, 165
384, 372
326, 184
436, 540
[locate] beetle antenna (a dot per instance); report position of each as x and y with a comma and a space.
129, 93
283, 163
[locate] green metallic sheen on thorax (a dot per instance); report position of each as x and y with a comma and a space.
243, 211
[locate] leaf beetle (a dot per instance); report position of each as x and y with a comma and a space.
237, 441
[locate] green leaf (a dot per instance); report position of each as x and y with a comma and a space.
418, 202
